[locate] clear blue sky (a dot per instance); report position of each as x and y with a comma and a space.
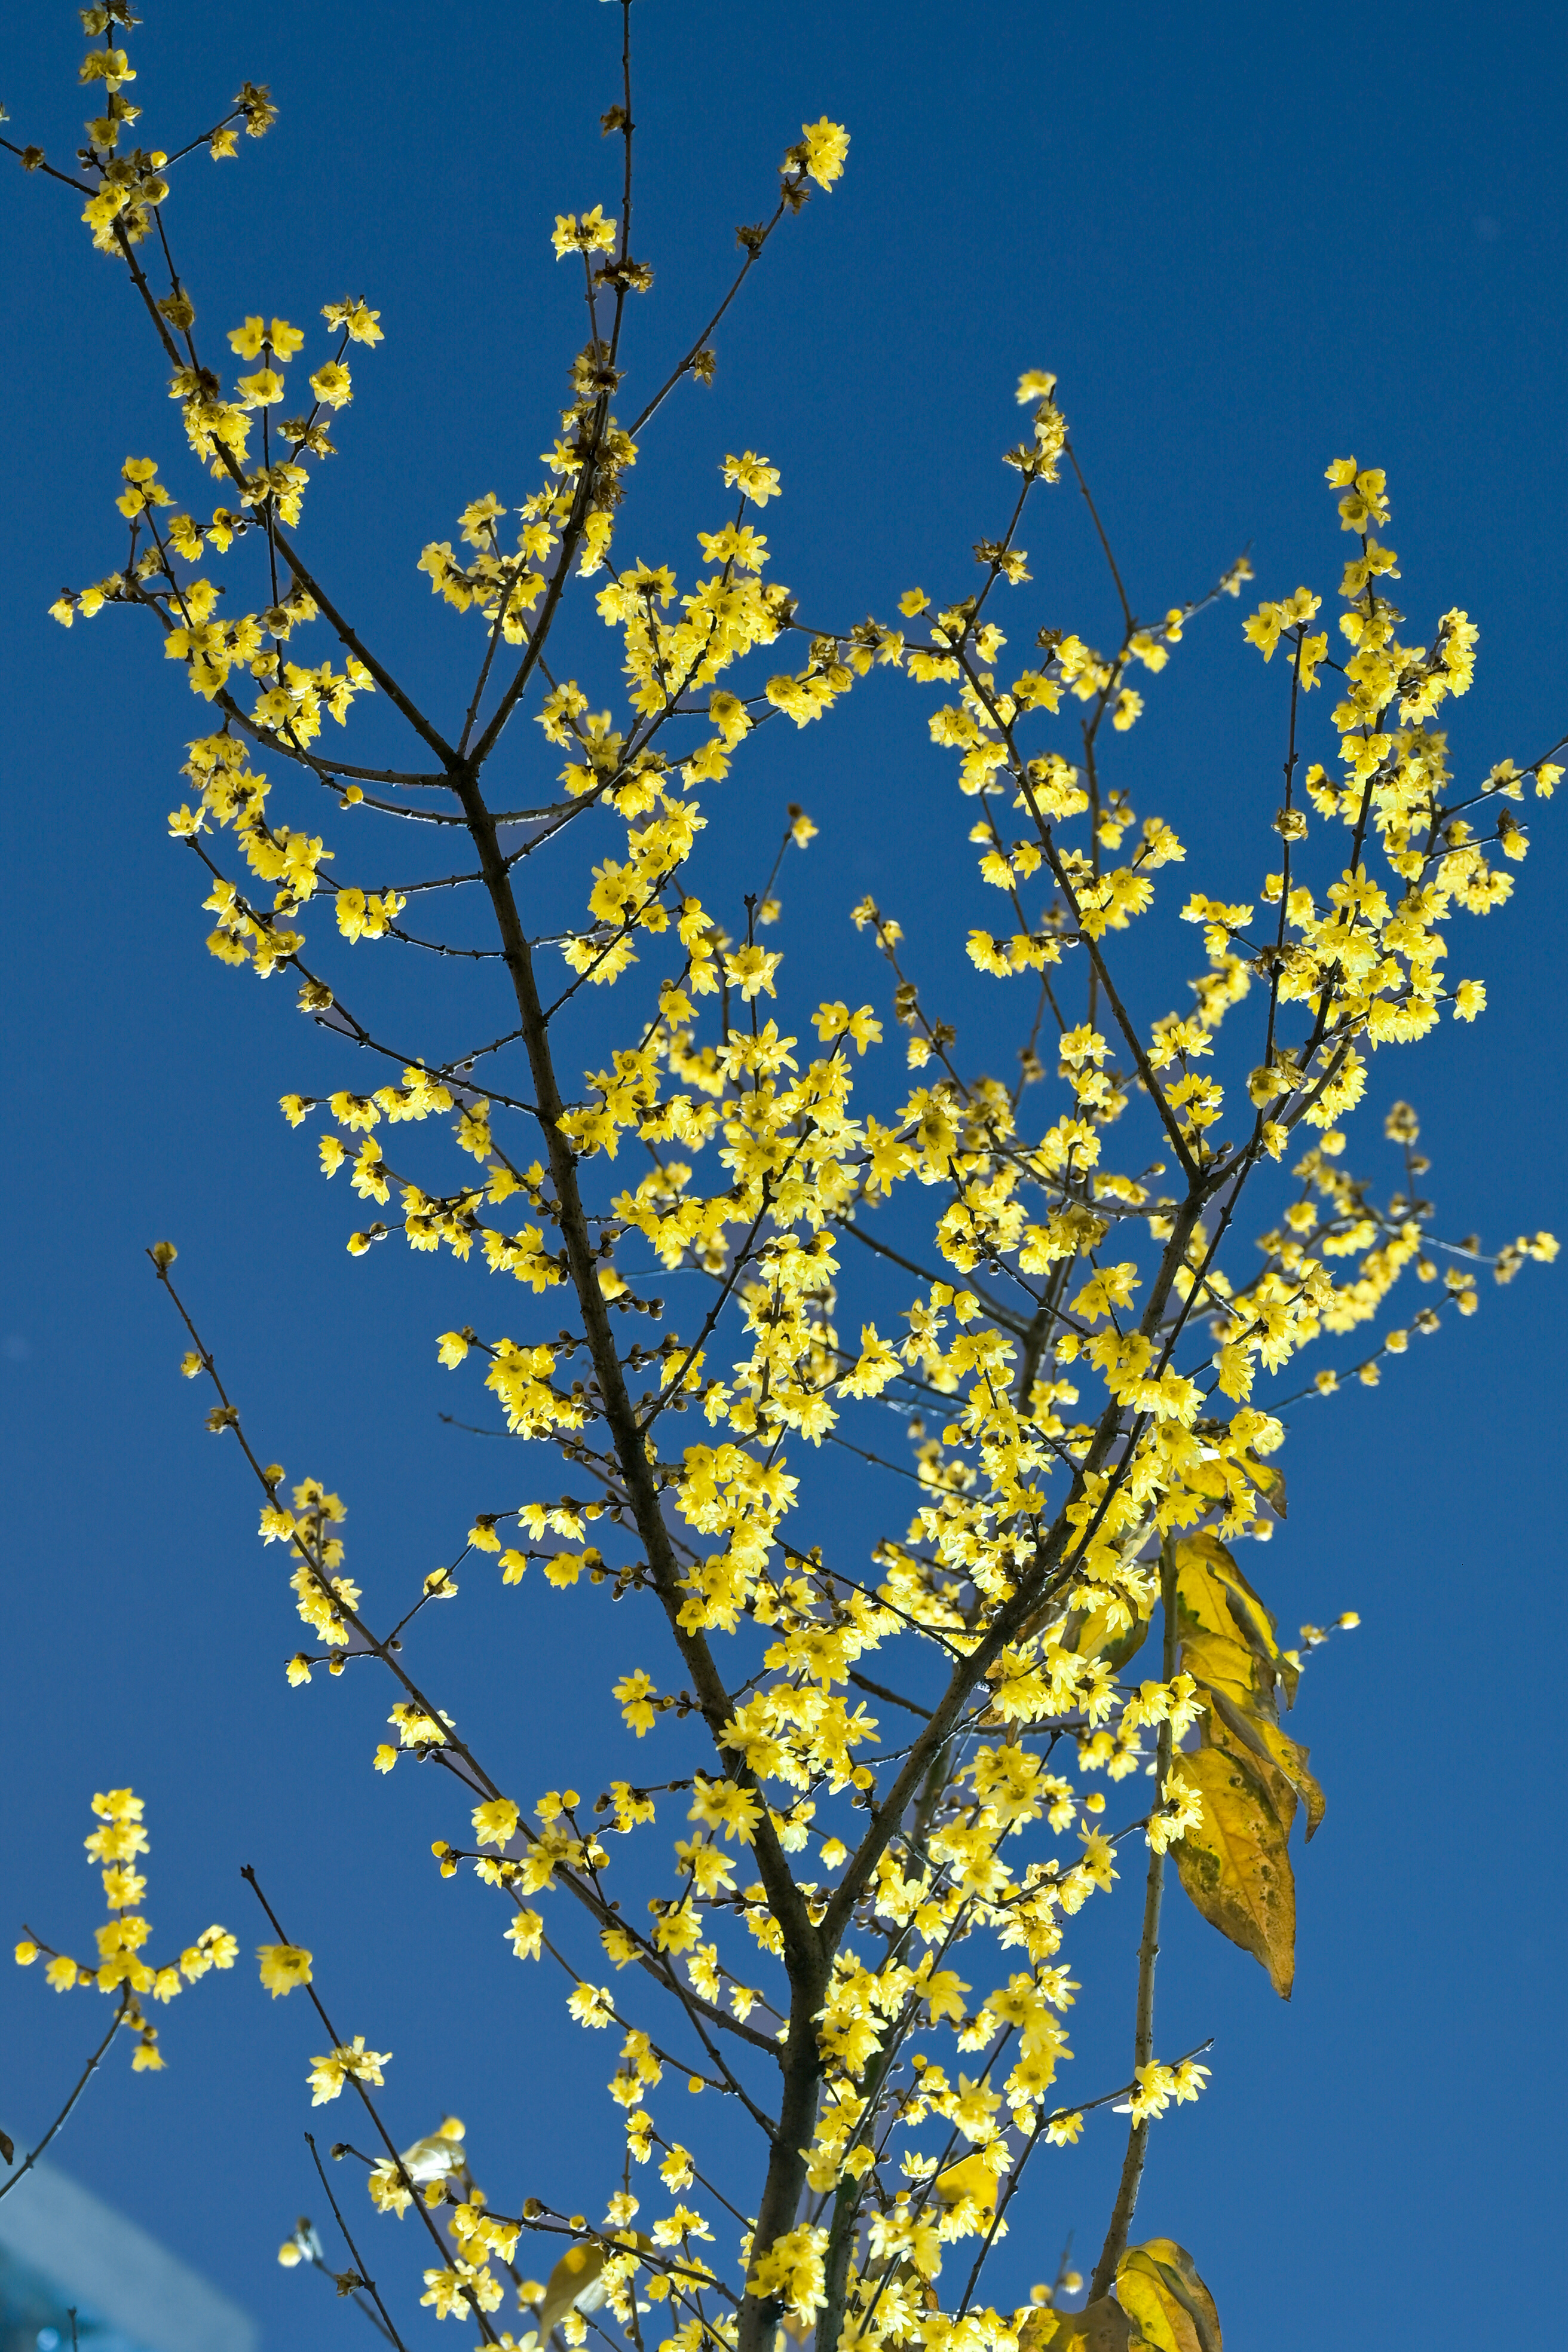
1249, 242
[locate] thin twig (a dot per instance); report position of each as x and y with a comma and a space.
385, 2323
117, 2021
1115, 2244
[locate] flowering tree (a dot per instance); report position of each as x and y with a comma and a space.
884, 1775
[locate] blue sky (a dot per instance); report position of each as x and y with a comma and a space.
1247, 243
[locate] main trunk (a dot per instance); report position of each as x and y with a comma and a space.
786, 2166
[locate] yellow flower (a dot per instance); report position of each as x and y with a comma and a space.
263, 389
350, 2061
592, 233
754, 476
634, 1692
357, 321
332, 384
283, 1966
444, 2290
827, 144
496, 1822
752, 970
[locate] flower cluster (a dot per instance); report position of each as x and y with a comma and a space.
122, 1968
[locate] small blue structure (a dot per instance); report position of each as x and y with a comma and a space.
61, 2246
